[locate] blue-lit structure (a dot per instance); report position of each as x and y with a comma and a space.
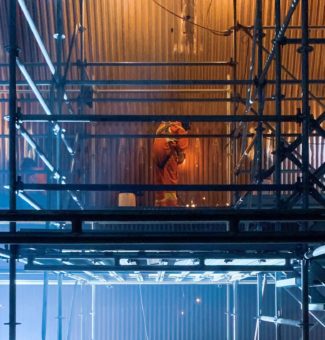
240, 258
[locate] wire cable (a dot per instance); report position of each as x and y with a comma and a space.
211, 30
143, 313
209, 7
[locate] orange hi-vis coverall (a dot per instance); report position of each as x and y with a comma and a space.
168, 153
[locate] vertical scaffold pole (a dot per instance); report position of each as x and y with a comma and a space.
12, 293
259, 297
228, 313
235, 310
59, 87
93, 312
304, 50
13, 50
82, 312
260, 97
60, 317
234, 143
278, 97
277, 307
44, 308
305, 299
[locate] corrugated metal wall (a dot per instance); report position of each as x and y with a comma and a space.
170, 312
124, 30
120, 316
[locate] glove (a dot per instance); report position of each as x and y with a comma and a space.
180, 157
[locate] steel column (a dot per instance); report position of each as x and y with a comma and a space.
59, 89
44, 306
82, 312
233, 145
305, 299
51, 138
12, 292
13, 50
59, 38
278, 98
304, 50
259, 298
83, 76
60, 317
12, 106
277, 308
235, 310
93, 308
260, 97
228, 313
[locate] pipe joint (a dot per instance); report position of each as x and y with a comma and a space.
305, 49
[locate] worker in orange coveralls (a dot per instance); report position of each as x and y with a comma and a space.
168, 153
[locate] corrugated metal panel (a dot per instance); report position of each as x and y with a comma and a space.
124, 30
169, 313
120, 315
130, 161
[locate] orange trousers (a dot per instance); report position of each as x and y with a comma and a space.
167, 174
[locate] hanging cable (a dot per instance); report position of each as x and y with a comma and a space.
143, 313
249, 95
211, 30
246, 67
209, 7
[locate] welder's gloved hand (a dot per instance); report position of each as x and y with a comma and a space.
180, 157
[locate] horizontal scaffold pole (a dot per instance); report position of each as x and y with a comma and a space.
133, 63
165, 214
150, 268
153, 187
156, 240
159, 82
154, 118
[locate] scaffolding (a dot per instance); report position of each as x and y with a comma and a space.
235, 222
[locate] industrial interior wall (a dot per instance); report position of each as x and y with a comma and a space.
129, 161
143, 31
29, 312
174, 312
